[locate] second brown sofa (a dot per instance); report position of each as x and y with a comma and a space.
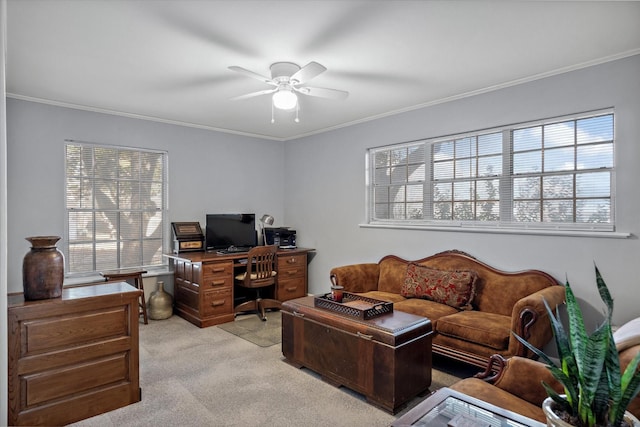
517, 386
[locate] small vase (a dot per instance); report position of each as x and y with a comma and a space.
160, 304
554, 421
43, 269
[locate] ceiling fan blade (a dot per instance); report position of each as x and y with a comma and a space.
308, 72
253, 94
179, 18
252, 74
323, 92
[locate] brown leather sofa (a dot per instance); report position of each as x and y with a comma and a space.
517, 385
501, 303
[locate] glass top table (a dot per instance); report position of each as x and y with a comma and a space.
449, 408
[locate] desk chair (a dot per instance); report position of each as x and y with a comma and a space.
259, 274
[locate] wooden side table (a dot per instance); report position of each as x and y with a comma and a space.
136, 277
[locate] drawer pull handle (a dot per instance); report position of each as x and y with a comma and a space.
292, 289
291, 261
292, 272
217, 270
298, 314
365, 336
217, 282
218, 303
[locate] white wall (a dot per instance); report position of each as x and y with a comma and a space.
326, 200
209, 172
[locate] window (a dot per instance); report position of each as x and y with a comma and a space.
552, 174
465, 178
115, 203
399, 182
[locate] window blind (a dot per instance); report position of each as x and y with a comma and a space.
563, 171
116, 203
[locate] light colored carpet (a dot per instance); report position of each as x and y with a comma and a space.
209, 377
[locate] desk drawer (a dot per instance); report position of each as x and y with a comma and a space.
292, 272
216, 269
217, 302
217, 282
291, 288
292, 265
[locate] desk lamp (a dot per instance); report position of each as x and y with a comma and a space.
268, 220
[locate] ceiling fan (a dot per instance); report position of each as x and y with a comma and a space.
288, 79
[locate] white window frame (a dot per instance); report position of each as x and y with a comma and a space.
86, 237
506, 222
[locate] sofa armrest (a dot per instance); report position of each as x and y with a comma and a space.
530, 320
625, 357
523, 377
356, 277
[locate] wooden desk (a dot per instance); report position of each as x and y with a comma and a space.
204, 283
73, 357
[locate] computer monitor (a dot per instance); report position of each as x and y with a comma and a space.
225, 230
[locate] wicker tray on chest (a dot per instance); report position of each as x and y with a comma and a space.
354, 305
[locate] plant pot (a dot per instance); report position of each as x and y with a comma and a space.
43, 269
554, 421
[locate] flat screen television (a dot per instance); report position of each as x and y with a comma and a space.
231, 230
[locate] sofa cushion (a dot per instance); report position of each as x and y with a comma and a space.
492, 330
383, 296
356, 277
392, 272
425, 308
627, 335
453, 288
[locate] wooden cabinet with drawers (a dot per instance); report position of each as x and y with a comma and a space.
204, 283
204, 291
292, 276
73, 357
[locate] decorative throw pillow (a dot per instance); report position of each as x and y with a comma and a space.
453, 288
627, 335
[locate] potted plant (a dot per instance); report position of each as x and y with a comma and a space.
595, 391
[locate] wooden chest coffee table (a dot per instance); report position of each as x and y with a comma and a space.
387, 358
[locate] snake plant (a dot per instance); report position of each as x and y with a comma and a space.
595, 391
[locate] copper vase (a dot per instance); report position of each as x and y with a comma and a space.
43, 269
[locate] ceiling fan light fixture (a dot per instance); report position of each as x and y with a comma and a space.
286, 79
285, 99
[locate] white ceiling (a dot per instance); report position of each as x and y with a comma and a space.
168, 60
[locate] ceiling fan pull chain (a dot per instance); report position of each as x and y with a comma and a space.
297, 120
273, 120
